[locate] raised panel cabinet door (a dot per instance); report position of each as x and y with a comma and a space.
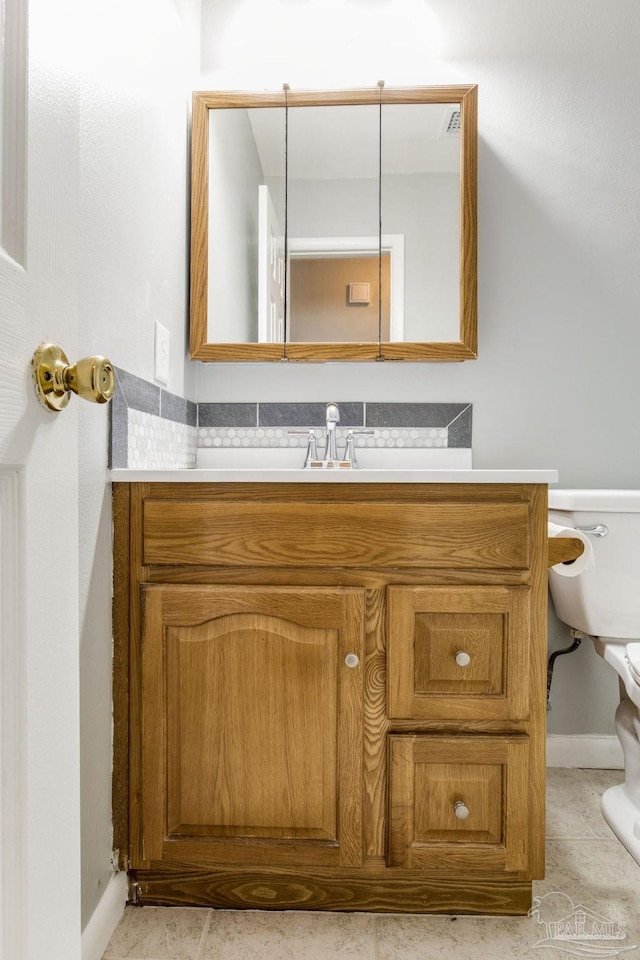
458, 653
252, 725
459, 803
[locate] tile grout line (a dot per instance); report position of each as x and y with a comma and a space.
205, 931
458, 415
376, 942
578, 839
612, 840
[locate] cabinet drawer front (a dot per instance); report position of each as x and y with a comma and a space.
454, 535
459, 803
458, 653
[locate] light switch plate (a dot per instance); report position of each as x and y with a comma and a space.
359, 293
161, 354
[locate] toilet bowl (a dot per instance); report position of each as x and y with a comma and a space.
633, 658
604, 602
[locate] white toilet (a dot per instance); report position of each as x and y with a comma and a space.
604, 602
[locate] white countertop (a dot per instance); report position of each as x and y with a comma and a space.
270, 475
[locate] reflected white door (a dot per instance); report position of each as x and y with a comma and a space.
39, 753
271, 271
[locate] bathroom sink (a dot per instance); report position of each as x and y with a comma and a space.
369, 458
377, 465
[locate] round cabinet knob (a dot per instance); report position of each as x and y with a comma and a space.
460, 810
463, 659
352, 660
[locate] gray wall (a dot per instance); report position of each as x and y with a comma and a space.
234, 176
422, 207
136, 81
425, 207
556, 382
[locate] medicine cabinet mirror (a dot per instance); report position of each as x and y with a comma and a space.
335, 225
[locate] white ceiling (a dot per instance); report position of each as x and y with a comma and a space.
342, 142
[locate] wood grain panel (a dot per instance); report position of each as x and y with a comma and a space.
302, 890
329, 492
137, 573
440, 637
120, 678
199, 224
468, 221
332, 576
375, 726
563, 550
457, 535
537, 681
252, 725
428, 626
429, 773
153, 807
439, 787
443, 351
270, 685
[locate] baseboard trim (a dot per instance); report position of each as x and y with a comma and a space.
603, 753
105, 918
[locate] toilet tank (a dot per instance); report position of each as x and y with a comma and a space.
603, 601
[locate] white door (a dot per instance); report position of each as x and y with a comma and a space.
39, 753
271, 271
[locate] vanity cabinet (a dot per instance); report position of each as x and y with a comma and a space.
330, 695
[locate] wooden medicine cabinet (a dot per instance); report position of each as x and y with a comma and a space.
334, 225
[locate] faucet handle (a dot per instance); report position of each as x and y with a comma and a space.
312, 444
350, 449
350, 446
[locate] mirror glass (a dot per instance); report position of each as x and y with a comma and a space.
246, 269
420, 208
334, 225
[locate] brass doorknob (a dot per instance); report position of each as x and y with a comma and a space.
55, 379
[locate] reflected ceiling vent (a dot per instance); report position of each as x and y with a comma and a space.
451, 123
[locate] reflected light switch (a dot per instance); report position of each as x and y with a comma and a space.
358, 293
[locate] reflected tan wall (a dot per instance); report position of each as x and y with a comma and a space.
320, 311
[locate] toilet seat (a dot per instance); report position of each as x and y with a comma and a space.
633, 659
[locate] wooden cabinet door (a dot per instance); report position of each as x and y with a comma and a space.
459, 803
252, 725
458, 653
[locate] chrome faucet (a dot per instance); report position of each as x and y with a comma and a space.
331, 446
330, 457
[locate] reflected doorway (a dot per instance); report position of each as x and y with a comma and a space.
334, 284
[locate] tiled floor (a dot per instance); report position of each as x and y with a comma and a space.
586, 866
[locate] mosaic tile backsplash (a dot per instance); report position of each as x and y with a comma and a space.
153, 429
150, 428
